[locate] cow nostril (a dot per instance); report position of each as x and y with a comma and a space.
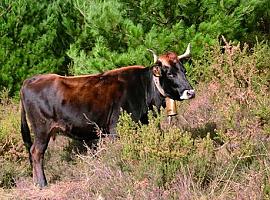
191, 93
187, 94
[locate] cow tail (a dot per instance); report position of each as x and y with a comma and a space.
25, 131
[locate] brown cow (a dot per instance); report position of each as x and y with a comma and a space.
54, 103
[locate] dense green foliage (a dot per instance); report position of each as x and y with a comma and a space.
34, 39
83, 36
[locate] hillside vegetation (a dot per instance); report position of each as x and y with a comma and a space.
217, 147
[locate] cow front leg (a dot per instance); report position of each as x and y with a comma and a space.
111, 127
37, 151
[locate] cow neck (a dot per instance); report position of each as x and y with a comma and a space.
158, 86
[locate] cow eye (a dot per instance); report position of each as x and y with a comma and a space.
183, 69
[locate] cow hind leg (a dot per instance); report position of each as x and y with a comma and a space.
37, 152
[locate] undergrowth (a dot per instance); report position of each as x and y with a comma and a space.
11, 146
217, 147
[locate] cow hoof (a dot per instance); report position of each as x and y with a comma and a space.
41, 185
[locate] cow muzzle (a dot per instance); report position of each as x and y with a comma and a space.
187, 94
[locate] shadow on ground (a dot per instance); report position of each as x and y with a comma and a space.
202, 132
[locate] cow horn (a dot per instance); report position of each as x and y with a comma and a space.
154, 54
187, 53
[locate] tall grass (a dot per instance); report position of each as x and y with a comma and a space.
11, 146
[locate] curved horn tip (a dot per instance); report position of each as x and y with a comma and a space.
154, 54
189, 47
187, 52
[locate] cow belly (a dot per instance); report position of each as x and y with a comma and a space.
80, 122
89, 132
85, 131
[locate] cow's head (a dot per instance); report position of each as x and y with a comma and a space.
170, 76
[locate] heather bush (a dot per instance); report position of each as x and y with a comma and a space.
233, 106
164, 151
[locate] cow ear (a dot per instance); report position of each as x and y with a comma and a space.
156, 71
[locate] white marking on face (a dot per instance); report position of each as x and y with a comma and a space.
187, 94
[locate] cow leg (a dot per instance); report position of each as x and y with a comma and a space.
144, 119
112, 133
37, 151
111, 126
